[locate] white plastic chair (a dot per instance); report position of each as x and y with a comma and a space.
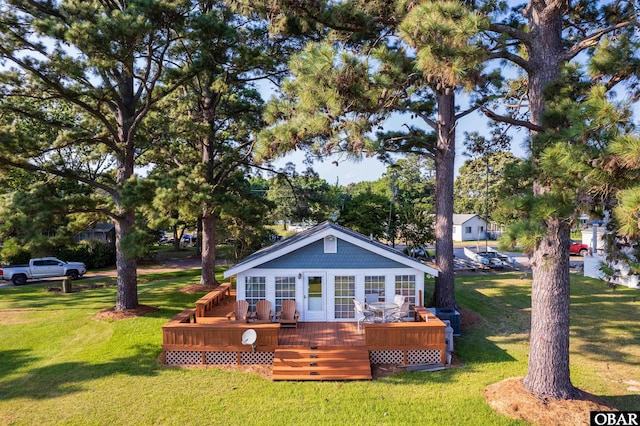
400, 314
399, 299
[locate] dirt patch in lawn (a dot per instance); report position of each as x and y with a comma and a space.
510, 398
468, 317
112, 314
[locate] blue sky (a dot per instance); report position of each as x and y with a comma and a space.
370, 169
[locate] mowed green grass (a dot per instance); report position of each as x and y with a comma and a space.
60, 365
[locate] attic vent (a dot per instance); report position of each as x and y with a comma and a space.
330, 244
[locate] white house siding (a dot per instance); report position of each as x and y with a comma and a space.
470, 230
329, 294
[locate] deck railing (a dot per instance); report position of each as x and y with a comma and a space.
211, 299
396, 341
217, 336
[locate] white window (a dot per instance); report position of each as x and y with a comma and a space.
255, 289
374, 284
345, 291
467, 229
285, 290
406, 286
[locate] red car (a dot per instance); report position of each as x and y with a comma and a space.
578, 248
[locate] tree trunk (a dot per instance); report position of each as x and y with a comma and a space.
177, 236
208, 219
127, 290
199, 236
444, 296
548, 372
208, 248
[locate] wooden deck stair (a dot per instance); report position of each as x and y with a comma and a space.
317, 363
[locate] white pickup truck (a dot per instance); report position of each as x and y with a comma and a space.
44, 267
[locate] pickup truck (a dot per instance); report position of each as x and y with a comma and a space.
45, 267
578, 248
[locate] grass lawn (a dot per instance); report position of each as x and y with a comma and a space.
59, 365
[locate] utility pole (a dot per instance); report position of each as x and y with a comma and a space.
486, 204
394, 190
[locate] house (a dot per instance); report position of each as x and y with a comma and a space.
100, 231
468, 227
323, 269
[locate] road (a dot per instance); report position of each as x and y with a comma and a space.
167, 265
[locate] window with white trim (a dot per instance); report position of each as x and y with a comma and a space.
345, 292
406, 286
285, 290
374, 284
255, 289
467, 229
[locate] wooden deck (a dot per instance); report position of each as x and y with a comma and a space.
212, 339
322, 334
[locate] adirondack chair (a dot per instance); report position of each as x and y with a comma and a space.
288, 315
263, 312
240, 311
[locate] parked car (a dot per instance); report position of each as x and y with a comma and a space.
45, 267
578, 248
420, 253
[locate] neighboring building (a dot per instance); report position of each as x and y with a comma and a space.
324, 268
101, 231
469, 227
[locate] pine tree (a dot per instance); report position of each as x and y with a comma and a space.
541, 38
105, 61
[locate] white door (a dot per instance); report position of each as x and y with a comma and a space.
315, 296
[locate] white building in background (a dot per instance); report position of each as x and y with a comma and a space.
469, 227
594, 238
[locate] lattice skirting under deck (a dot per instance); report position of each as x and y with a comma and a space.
218, 358
265, 358
417, 356
221, 358
183, 357
423, 356
386, 357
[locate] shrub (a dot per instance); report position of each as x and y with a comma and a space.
94, 253
14, 254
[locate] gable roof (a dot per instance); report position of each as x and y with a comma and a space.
459, 219
318, 232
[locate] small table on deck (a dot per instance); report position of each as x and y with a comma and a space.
383, 307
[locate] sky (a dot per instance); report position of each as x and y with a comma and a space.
371, 169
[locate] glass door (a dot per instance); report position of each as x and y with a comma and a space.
315, 290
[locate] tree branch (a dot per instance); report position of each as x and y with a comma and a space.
511, 31
25, 165
592, 40
510, 120
516, 59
